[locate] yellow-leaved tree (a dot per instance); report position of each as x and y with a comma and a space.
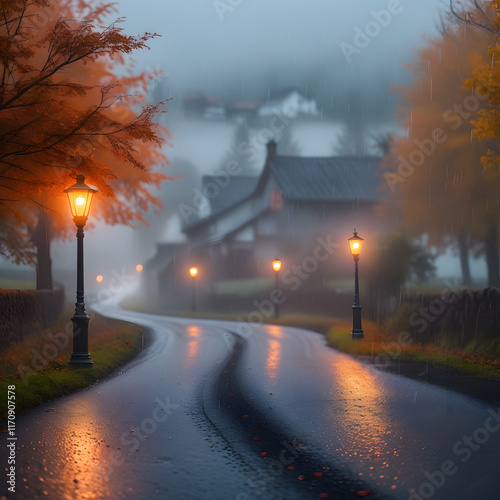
434, 173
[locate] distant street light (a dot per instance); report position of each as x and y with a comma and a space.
193, 271
276, 268
80, 198
355, 243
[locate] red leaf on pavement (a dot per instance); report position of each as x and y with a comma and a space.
363, 493
291, 467
230, 394
264, 454
318, 474
324, 495
244, 416
302, 477
256, 438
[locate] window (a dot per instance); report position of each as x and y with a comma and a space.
276, 200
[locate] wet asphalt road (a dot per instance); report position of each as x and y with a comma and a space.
208, 413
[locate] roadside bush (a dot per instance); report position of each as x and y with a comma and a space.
22, 310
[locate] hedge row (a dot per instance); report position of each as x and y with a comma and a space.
463, 317
22, 310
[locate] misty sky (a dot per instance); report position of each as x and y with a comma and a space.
239, 50
261, 40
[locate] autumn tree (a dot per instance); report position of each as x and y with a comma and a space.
434, 174
64, 110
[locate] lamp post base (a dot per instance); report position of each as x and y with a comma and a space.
80, 360
357, 334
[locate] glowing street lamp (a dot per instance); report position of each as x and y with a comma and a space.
80, 198
355, 243
276, 269
193, 271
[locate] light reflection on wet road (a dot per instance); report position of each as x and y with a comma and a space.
157, 431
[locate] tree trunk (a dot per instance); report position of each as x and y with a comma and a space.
41, 239
492, 259
463, 247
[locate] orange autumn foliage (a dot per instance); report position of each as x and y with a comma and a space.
434, 174
65, 110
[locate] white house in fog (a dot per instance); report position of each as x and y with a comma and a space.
292, 102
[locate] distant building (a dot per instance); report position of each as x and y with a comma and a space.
295, 207
294, 199
241, 111
291, 102
211, 107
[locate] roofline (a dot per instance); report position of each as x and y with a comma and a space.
263, 177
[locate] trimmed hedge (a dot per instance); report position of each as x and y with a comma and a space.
457, 319
22, 310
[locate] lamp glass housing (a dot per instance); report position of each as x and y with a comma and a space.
80, 198
355, 244
193, 271
276, 265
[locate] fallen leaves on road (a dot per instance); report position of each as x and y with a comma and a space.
363, 493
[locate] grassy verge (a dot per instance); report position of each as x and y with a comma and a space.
37, 379
379, 342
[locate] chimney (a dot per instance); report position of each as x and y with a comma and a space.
271, 150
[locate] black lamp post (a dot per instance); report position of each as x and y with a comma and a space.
193, 271
355, 243
276, 268
80, 198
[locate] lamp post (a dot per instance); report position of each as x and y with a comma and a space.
355, 243
276, 268
193, 271
80, 198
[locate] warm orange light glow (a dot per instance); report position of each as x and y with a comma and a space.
99, 278
355, 243
273, 359
80, 198
276, 265
365, 423
139, 268
193, 272
193, 331
85, 461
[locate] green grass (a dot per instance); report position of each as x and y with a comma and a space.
377, 340
12, 284
243, 287
58, 378
481, 363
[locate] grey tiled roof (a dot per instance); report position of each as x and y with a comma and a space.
328, 179
238, 188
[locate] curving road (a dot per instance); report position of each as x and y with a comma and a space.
208, 413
